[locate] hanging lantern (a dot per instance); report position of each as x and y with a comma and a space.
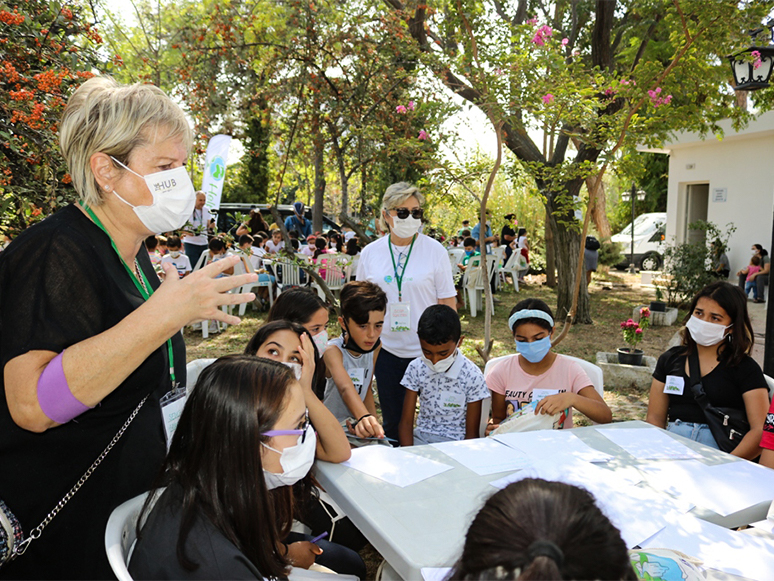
752, 67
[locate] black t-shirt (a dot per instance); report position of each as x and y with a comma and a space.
61, 282
506, 231
723, 385
155, 555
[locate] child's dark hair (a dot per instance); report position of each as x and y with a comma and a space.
358, 299
320, 244
151, 243
174, 242
216, 245
465, 233
532, 304
469, 241
298, 305
553, 531
352, 247
522, 232
755, 260
439, 324
268, 329
245, 239
295, 244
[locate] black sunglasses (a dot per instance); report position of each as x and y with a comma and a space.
403, 213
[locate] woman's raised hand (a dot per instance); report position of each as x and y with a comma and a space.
200, 295
307, 361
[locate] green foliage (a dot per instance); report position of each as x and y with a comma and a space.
688, 266
610, 253
47, 49
650, 172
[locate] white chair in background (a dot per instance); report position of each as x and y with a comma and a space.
499, 252
288, 271
202, 260
193, 369
334, 267
473, 282
121, 534
770, 384
351, 271
456, 255
514, 265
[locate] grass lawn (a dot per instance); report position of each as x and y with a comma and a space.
609, 307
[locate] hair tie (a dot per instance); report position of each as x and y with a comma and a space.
546, 549
529, 314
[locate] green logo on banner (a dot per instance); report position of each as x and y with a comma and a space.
218, 168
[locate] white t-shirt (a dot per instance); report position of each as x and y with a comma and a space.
182, 263
307, 250
427, 279
360, 369
272, 248
444, 397
256, 255
199, 218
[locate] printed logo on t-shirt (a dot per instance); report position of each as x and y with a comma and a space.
388, 279
768, 426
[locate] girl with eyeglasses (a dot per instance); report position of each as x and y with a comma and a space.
236, 472
415, 272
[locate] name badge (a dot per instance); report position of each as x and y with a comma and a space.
538, 394
450, 401
172, 405
674, 385
357, 376
400, 317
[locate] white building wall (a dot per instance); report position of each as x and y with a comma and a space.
742, 164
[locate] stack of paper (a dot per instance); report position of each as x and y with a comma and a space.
649, 443
545, 443
485, 455
395, 466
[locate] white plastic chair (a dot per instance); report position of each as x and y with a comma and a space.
121, 534
473, 283
202, 260
291, 273
515, 265
193, 369
335, 266
351, 270
455, 258
486, 408
770, 383
499, 252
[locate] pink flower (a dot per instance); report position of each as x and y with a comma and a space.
565, 41
538, 39
400, 109
541, 34
545, 30
548, 98
609, 92
755, 54
411, 105
422, 135
638, 331
532, 21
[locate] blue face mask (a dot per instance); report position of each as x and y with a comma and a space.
469, 253
534, 352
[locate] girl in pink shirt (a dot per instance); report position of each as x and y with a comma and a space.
561, 381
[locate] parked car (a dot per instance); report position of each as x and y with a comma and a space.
226, 222
649, 232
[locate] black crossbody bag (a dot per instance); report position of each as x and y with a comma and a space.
728, 425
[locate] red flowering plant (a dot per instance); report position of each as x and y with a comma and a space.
632, 330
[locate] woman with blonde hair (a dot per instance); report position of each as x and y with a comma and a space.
415, 272
91, 340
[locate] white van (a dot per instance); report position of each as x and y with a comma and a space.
649, 231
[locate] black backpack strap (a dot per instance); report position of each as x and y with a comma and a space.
697, 389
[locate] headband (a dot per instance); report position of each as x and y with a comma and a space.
529, 314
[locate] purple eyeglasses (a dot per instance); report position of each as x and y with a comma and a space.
301, 432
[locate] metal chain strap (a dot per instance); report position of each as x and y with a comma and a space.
36, 532
139, 276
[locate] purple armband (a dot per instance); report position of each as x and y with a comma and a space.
54, 395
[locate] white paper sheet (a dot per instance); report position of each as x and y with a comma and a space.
435, 573
648, 443
722, 488
393, 465
485, 455
545, 443
637, 512
719, 548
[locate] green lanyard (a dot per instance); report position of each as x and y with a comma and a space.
399, 278
144, 293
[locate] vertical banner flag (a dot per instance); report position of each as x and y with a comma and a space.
215, 170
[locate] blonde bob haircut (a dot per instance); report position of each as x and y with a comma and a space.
105, 116
394, 196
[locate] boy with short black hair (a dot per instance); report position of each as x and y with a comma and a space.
175, 256
469, 244
350, 359
449, 386
217, 251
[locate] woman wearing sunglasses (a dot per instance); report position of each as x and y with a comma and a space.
243, 440
415, 272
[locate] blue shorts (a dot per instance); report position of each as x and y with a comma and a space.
696, 432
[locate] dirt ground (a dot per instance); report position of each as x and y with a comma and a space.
612, 295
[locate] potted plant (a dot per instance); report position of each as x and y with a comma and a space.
658, 305
632, 334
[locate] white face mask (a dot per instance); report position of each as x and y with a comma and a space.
321, 341
704, 332
174, 198
754, 251
296, 461
406, 227
296, 367
174, 253
441, 366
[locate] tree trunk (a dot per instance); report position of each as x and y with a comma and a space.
550, 254
598, 207
569, 240
319, 187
